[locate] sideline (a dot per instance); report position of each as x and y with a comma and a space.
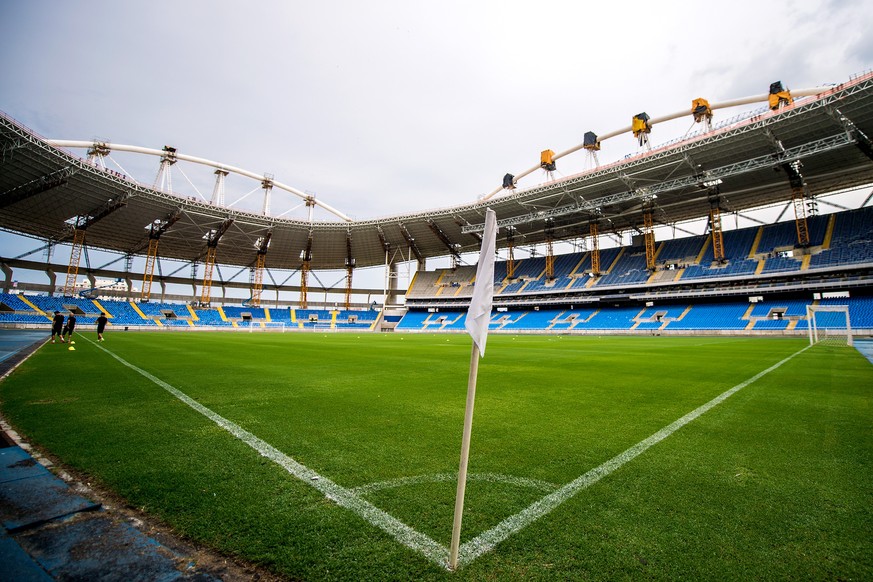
430, 549
865, 346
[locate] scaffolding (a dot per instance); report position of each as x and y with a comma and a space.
261, 245
258, 280
209, 265
212, 239
798, 199
350, 269
510, 255
156, 229
649, 236
75, 257
550, 250
151, 259
306, 258
715, 224
595, 248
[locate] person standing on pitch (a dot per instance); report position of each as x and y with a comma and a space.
70, 327
101, 325
57, 326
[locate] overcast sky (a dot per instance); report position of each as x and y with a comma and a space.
379, 107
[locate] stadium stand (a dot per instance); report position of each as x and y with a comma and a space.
762, 261
759, 261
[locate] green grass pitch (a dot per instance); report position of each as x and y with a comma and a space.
775, 482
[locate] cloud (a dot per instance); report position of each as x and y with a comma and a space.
392, 107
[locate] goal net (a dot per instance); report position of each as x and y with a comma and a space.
829, 325
265, 326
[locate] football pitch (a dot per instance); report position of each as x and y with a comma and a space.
334, 456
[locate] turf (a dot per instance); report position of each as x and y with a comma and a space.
775, 482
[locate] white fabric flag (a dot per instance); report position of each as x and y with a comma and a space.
479, 313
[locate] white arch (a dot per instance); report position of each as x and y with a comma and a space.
669, 117
61, 143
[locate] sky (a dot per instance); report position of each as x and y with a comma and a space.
387, 107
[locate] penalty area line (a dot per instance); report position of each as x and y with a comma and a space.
486, 541
342, 496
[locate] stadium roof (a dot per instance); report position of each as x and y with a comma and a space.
44, 188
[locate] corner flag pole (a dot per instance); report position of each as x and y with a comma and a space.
476, 324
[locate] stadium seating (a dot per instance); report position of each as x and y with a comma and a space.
122, 313
762, 258
236, 312
680, 250
718, 316
14, 302
211, 317
629, 269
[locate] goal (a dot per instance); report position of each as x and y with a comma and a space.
829, 324
266, 326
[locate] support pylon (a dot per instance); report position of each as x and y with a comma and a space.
75, 257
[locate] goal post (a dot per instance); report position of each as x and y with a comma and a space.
266, 326
829, 324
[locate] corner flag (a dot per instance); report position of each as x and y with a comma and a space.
479, 313
476, 323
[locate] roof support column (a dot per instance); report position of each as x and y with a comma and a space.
53, 280
7, 283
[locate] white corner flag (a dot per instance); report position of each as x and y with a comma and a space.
479, 313
476, 323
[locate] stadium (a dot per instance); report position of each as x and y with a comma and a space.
626, 310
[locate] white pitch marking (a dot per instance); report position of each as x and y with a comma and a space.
344, 497
486, 541
453, 478
419, 542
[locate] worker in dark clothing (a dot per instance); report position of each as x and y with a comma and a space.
57, 326
101, 325
69, 327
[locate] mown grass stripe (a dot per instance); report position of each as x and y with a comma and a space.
486, 541
340, 495
409, 537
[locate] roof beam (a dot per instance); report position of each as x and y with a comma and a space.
213, 237
450, 246
411, 242
110, 206
766, 161
35, 186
